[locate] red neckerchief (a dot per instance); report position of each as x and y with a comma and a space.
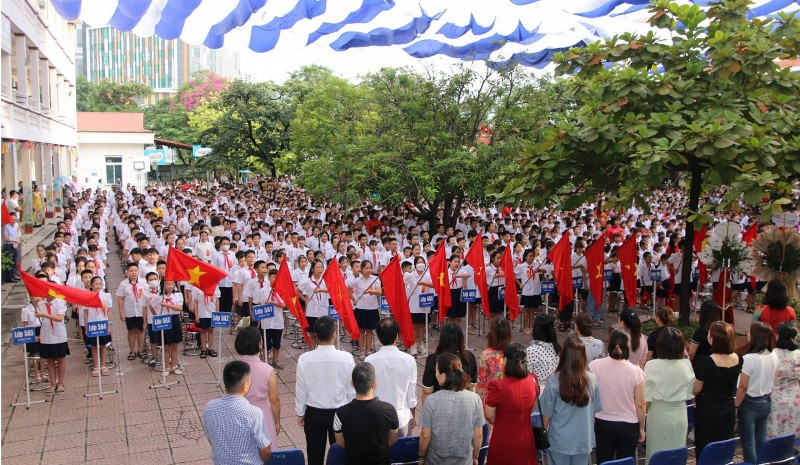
50, 312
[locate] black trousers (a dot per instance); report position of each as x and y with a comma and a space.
318, 425
615, 439
225, 299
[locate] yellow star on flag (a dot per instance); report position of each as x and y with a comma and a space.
441, 279
627, 267
53, 293
294, 301
599, 271
195, 274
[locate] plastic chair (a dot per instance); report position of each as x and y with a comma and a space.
405, 450
718, 453
777, 450
625, 461
485, 442
287, 457
335, 455
690, 415
677, 456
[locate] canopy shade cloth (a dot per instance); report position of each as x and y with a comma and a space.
525, 31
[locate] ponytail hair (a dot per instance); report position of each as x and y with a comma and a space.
455, 379
619, 344
515, 361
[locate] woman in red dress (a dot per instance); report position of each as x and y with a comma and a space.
509, 404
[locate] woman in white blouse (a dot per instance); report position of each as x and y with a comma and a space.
418, 282
315, 296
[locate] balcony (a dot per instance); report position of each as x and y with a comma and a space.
24, 118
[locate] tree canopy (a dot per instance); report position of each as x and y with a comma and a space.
420, 140
109, 96
710, 107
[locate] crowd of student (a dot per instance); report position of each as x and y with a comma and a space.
591, 396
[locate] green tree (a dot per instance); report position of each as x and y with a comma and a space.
168, 119
710, 107
109, 96
248, 120
412, 139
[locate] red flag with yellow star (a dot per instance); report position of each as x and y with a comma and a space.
40, 288
340, 298
512, 299
284, 287
628, 264
561, 258
394, 289
441, 283
475, 259
181, 267
595, 259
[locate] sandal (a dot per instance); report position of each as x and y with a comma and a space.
132, 356
212, 353
104, 371
143, 354
278, 366
95, 372
203, 354
50, 391
60, 390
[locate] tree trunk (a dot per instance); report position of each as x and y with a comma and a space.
695, 186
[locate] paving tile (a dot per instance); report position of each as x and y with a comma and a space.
26, 447
107, 450
108, 435
65, 455
26, 459
193, 453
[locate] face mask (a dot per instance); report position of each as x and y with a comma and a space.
138, 222
153, 284
225, 248
420, 267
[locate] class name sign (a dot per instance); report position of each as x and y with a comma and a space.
426, 300
96, 328
162, 322
220, 319
262, 312
25, 335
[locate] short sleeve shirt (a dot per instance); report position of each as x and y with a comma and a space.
236, 431
365, 425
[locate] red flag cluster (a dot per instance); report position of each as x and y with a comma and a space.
441, 284
40, 288
561, 258
475, 259
340, 298
628, 264
512, 298
284, 287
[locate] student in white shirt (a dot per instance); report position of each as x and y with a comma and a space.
53, 341
170, 303
260, 292
529, 282
314, 294
131, 304
202, 307
418, 281
28, 318
203, 248
98, 314
364, 292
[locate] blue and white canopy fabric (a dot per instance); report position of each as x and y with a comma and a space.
526, 31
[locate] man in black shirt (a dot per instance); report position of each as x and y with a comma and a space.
366, 427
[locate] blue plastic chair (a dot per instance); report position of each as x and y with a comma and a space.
777, 450
405, 450
625, 461
482, 455
485, 442
677, 456
287, 457
335, 455
690, 415
718, 453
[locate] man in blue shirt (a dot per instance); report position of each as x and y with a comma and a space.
236, 429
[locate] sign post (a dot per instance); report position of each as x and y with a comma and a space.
426, 302
262, 312
655, 277
548, 288
332, 313
163, 323
97, 329
24, 336
606, 279
467, 296
220, 320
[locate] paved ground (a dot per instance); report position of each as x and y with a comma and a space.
137, 424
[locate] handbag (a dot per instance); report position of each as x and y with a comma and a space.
540, 436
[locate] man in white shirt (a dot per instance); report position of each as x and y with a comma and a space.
396, 375
322, 386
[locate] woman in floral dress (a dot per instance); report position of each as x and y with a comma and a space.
490, 365
785, 415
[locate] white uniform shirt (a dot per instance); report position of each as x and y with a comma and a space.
53, 332
396, 377
323, 379
134, 295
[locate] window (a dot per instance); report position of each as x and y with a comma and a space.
113, 169
195, 67
196, 52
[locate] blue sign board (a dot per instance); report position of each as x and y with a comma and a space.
577, 282
97, 328
469, 295
655, 274
548, 287
607, 274
24, 335
332, 312
262, 312
426, 300
162, 322
384, 304
501, 293
220, 319
696, 275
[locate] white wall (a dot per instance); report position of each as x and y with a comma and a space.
94, 147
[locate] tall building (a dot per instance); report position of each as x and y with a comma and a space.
37, 67
164, 65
